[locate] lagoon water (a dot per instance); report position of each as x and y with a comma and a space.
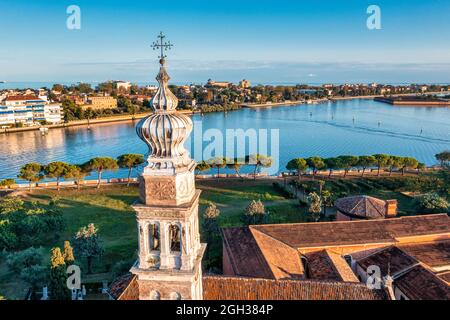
329, 129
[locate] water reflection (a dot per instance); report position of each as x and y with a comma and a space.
305, 130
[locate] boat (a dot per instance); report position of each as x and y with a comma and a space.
43, 130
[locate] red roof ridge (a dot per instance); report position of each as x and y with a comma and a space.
22, 98
219, 287
251, 228
424, 216
341, 269
342, 283
270, 259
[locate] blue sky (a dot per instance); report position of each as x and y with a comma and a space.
264, 41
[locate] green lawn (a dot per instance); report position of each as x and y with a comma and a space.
232, 197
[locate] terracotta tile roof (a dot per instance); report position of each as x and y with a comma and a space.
419, 283
390, 259
320, 266
340, 233
342, 267
327, 265
362, 207
22, 98
445, 276
433, 254
245, 255
124, 288
236, 288
283, 261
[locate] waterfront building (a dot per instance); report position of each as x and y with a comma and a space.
53, 113
101, 102
6, 116
28, 110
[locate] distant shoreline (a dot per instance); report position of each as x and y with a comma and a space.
128, 118
271, 104
413, 102
77, 123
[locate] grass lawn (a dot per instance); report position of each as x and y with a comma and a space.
109, 209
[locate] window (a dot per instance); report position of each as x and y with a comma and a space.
175, 238
154, 236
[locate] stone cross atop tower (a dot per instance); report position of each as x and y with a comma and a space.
170, 253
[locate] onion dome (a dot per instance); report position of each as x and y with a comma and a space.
165, 131
165, 134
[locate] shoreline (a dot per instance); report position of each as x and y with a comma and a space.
323, 174
271, 104
127, 118
398, 102
78, 123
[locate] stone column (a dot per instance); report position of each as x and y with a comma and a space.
145, 242
165, 245
185, 248
142, 255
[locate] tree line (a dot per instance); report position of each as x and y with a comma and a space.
256, 161
348, 162
35, 172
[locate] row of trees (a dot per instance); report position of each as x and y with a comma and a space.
257, 161
348, 162
35, 172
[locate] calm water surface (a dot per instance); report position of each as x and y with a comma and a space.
331, 129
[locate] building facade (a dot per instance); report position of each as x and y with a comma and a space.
97, 103
28, 110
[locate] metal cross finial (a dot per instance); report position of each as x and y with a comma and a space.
162, 45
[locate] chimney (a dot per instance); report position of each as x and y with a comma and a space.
391, 208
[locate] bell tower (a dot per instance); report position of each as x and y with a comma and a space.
170, 252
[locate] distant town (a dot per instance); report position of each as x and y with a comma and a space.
31, 108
